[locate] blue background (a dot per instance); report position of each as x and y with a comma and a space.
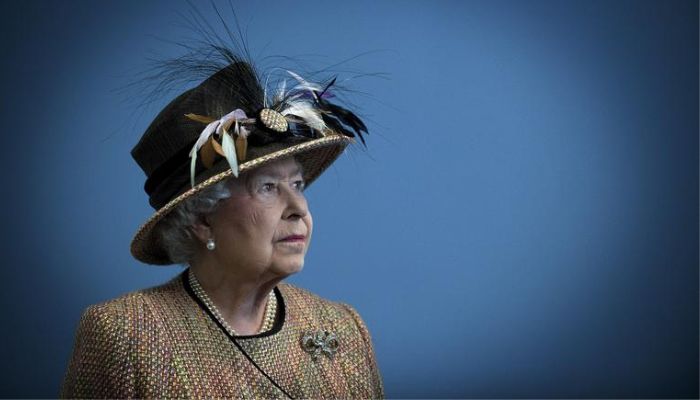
524, 223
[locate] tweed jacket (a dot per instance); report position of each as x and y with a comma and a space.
163, 343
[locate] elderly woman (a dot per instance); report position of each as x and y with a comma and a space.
227, 167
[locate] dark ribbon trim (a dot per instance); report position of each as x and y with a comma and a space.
169, 178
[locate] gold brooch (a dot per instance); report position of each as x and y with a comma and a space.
273, 120
319, 342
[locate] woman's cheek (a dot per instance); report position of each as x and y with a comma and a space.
259, 219
309, 232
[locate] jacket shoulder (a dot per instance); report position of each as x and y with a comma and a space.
134, 303
303, 299
103, 358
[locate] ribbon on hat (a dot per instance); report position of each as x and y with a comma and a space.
221, 127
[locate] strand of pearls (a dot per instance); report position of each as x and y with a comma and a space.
270, 307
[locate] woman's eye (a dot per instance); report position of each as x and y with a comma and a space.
299, 185
267, 187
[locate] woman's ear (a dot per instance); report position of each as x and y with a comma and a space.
202, 230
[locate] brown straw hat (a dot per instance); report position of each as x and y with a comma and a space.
226, 126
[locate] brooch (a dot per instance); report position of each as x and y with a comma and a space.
273, 120
316, 343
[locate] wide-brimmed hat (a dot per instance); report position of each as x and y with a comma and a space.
227, 125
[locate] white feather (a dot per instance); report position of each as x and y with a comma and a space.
229, 148
307, 112
203, 137
304, 84
193, 165
281, 89
267, 78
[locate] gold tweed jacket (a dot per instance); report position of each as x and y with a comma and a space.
162, 343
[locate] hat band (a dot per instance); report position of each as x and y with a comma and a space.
170, 187
169, 178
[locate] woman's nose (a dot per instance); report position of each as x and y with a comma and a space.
296, 206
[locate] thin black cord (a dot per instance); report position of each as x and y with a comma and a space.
188, 288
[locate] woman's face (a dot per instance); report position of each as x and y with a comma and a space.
265, 226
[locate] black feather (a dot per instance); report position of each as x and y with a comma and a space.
320, 95
336, 125
300, 129
343, 116
347, 117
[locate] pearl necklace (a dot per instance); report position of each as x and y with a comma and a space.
270, 307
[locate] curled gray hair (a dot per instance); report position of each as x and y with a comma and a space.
175, 231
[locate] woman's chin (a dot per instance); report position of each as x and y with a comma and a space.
288, 267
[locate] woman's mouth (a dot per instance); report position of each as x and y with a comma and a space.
293, 238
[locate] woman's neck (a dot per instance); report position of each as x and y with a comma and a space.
240, 301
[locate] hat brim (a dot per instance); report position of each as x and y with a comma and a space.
315, 157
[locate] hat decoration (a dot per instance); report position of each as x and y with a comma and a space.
301, 111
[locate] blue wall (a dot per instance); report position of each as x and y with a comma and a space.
524, 223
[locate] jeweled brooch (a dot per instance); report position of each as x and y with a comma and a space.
319, 342
273, 120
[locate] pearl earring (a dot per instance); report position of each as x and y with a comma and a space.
210, 244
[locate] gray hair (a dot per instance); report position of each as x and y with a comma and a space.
175, 231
